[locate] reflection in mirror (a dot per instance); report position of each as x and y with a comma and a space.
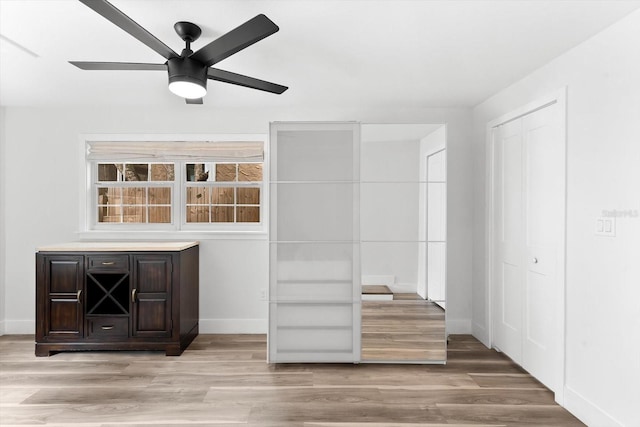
403, 243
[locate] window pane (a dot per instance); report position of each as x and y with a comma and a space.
109, 214
248, 196
134, 196
197, 214
249, 172
197, 172
136, 172
108, 171
222, 196
222, 214
248, 214
134, 214
162, 172
109, 195
159, 195
226, 172
197, 196
159, 214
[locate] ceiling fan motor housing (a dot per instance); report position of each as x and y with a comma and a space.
183, 69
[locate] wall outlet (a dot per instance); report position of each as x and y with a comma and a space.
264, 295
606, 226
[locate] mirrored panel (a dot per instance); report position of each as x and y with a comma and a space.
403, 243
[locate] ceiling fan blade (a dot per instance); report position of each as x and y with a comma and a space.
235, 40
194, 101
111, 13
246, 81
84, 65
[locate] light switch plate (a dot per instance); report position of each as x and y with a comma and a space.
606, 226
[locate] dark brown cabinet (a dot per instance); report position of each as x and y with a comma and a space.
116, 300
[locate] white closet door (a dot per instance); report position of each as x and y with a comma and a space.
529, 209
544, 200
508, 240
314, 292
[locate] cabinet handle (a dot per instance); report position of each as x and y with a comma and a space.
133, 295
107, 327
108, 263
78, 294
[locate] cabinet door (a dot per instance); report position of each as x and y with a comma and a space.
151, 295
60, 299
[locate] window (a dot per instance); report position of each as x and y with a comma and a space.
223, 192
195, 186
135, 192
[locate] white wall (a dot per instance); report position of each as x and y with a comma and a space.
43, 143
2, 223
602, 77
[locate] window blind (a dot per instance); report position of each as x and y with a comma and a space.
211, 151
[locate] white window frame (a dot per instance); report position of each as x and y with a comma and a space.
89, 228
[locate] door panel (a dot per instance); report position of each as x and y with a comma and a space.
436, 212
151, 296
544, 174
511, 313
436, 271
314, 288
63, 296
509, 240
436, 227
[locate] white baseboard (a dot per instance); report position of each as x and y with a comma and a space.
587, 411
403, 288
233, 326
19, 327
458, 326
481, 334
1, 328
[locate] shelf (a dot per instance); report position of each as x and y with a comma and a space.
107, 294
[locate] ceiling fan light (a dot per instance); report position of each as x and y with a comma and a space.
187, 89
187, 78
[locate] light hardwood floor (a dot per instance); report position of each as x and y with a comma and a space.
223, 381
408, 328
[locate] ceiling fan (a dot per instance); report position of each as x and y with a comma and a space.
189, 71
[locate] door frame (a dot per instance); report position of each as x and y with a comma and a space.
558, 97
422, 208
425, 264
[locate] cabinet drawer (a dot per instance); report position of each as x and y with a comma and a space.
104, 327
108, 262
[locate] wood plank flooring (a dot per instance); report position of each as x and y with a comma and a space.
376, 290
223, 381
407, 329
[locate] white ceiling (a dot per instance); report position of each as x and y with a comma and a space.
351, 53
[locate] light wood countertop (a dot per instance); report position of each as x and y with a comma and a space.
117, 246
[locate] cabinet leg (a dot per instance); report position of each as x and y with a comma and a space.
42, 351
173, 350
